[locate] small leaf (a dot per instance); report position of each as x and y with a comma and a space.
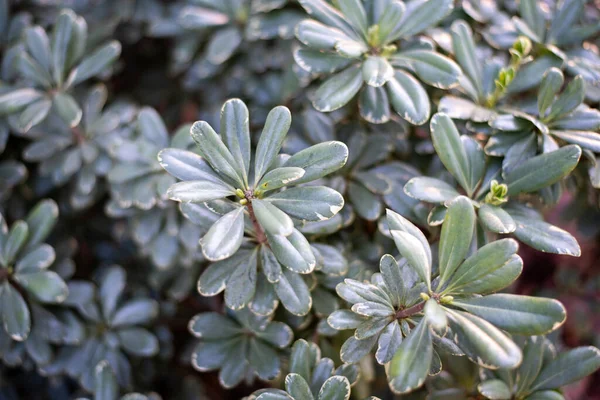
241, 284
335, 388
293, 293
338, 90
45, 286
15, 313
18, 99
14, 242
464, 51
410, 248
376, 71
423, 15
431, 67
551, 84
569, 99
225, 237
272, 219
408, 97
279, 177
293, 251
199, 191
96, 63
374, 105
274, 132
297, 387
106, 386
355, 13
436, 317
68, 109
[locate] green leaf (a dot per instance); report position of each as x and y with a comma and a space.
423, 15
494, 389
33, 114
192, 17
310, 203
436, 317
354, 350
235, 130
224, 237
409, 367
456, 236
223, 44
293, 251
272, 219
330, 16
338, 90
152, 127
274, 132
212, 325
516, 314
551, 83
67, 108
319, 37
38, 258
483, 343
568, 100
213, 150
335, 388
543, 170
392, 276
464, 51
315, 61
567, 368
186, 165
293, 293
408, 97
411, 248
459, 108
105, 386
449, 148
199, 191
279, 177
564, 19
430, 190
138, 341
18, 99
38, 46
396, 222
587, 140
366, 204
15, 313
241, 285
533, 359
376, 71
390, 20
319, 160
96, 63
545, 237
355, 13
374, 105
389, 342
41, 221
485, 261
432, 68
45, 286
14, 242
531, 12
495, 219
297, 387
545, 395
345, 319
61, 37
269, 264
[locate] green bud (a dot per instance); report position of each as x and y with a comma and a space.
373, 35
522, 46
446, 299
424, 296
497, 194
388, 50
240, 193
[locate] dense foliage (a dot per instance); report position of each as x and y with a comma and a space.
299, 199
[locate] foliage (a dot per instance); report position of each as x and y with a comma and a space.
307, 200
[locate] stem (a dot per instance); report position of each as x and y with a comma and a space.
260, 234
4, 274
417, 308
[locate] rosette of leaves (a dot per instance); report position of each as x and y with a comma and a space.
233, 25
114, 328
251, 201
557, 35
457, 310
49, 68
356, 47
489, 188
312, 377
24, 274
559, 118
78, 155
240, 344
541, 374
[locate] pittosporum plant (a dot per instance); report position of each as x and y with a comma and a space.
425, 227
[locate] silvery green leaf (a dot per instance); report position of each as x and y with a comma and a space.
520, 151
323, 370
551, 83
373, 309
431, 190
338, 90
582, 118
319, 160
389, 341
61, 37
293, 293
265, 300
192, 17
374, 105
569, 99
477, 161
330, 260
350, 48
96, 63
567, 367
135, 312
392, 276
225, 237
212, 325
297, 387
532, 14
422, 15
543, 170
235, 130
214, 278
411, 248
516, 314
45, 286
263, 359
15, 241
279, 177
389, 20
199, 191
276, 334
38, 45
274, 394
464, 51
33, 114
410, 365
272, 219
152, 127
16, 100
186, 165
495, 219
376, 71
303, 358
345, 319
533, 359
223, 44
353, 350
545, 237
459, 108
366, 204
15, 313
112, 285
30, 69
355, 13
310, 203
456, 236
233, 370
213, 150
67, 108
530, 74
496, 280
274, 132
399, 223
316, 61
545, 395
330, 16
138, 341
587, 140
335, 388
485, 261
293, 251
37, 258
451, 150
483, 343
408, 97
565, 17
431, 67
106, 386
269, 264
494, 389
436, 317
318, 36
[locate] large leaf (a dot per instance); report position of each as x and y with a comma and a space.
545, 237
275, 129
568, 100
543, 170
522, 315
567, 368
319, 160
